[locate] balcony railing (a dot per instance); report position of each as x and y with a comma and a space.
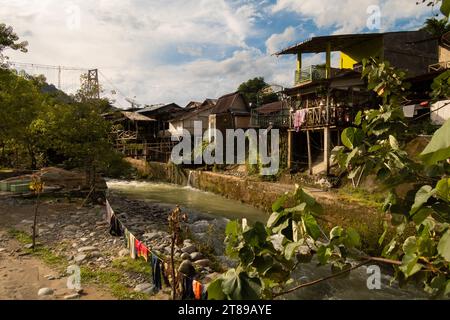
313, 73
281, 119
315, 118
443, 65
321, 117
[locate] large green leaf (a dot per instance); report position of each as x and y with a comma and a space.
410, 266
239, 286
443, 189
439, 147
232, 228
410, 245
278, 204
445, 8
256, 236
444, 246
274, 218
215, 291
422, 197
311, 226
352, 137
311, 204
353, 239
246, 255
290, 250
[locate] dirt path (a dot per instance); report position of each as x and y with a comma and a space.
21, 277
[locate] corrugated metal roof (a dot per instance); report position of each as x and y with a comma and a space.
270, 108
134, 116
229, 103
319, 44
338, 42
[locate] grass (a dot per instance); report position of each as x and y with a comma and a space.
113, 280
130, 265
42, 252
361, 196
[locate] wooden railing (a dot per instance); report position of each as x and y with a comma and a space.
315, 118
280, 119
321, 117
314, 73
443, 65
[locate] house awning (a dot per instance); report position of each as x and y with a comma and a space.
337, 42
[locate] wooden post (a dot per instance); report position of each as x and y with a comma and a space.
327, 148
308, 141
289, 160
328, 61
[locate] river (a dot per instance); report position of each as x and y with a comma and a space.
354, 287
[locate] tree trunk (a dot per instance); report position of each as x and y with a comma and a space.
36, 208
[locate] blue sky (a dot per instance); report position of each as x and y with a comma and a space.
159, 51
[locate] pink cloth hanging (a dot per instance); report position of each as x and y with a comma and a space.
299, 119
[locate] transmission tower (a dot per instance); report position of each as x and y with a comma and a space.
93, 84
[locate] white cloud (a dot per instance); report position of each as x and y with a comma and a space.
173, 50
280, 40
349, 16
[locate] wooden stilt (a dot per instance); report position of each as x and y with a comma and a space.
290, 144
327, 148
308, 141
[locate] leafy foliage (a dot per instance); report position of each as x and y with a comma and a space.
268, 254
251, 89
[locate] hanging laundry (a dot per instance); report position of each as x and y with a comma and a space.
109, 212
115, 227
137, 247
299, 119
187, 292
166, 273
197, 287
409, 111
126, 238
156, 272
132, 246
144, 252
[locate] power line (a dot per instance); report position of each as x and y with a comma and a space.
46, 66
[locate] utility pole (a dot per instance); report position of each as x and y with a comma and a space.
59, 77
93, 84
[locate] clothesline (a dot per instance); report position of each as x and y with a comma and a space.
110, 214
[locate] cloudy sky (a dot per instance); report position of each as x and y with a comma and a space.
160, 51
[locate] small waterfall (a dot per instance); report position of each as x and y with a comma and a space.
189, 182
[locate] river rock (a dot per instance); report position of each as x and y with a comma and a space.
45, 292
71, 227
147, 288
95, 254
196, 256
203, 263
124, 253
80, 258
187, 268
72, 296
201, 226
186, 256
87, 249
189, 249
